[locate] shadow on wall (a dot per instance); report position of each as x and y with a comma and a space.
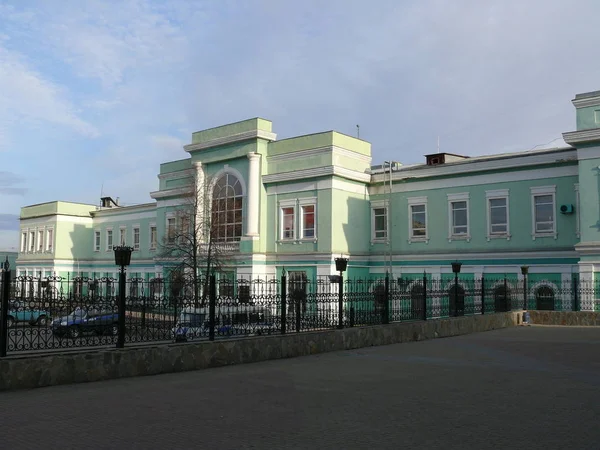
357, 228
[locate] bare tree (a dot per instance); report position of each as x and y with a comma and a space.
194, 239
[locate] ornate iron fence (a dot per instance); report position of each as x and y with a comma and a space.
61, 313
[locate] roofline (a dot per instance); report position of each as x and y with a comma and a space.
231, 123
59, 201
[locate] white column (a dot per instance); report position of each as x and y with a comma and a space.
253, 194
201, 197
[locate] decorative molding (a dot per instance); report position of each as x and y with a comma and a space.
172, 192
328, 183
533, 159
582, 136
497, 193
317, 172
247, 135
586, 101
185, 173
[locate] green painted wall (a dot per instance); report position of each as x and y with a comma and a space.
231, 129
586, 117
589, 195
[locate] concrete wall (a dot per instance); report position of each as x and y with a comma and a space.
66, 368
573, 318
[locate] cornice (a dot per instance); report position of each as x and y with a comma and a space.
317, 172
253, 134
582, 136
171, 192
585, 102
179, 174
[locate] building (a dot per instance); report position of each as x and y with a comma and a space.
296, 204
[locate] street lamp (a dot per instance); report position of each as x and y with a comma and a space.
456, 270
524, 272
341, 264
122, 259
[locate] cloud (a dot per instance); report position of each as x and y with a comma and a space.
9, 222
7, 180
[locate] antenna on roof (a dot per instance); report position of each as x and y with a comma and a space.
358, 131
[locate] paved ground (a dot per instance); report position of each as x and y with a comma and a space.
527, 387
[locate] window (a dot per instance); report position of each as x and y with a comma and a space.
49, 239
152, 237
171, 223
287, 220
23, 242
123, 236
308, 221
497, 214
543, 207
379, 221
109, 240
458, 216
227, 203
96, 241
136, 238
31, 241
417, 219
40, 241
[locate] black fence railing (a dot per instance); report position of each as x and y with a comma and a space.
60, 313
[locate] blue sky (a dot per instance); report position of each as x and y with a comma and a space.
94, 95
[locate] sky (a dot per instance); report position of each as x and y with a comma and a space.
94, 95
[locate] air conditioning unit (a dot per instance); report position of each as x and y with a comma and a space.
567, 209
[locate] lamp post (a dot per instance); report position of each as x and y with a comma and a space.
524, 272
122, 259
341, 264
456, 270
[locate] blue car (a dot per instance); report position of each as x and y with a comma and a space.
81, 322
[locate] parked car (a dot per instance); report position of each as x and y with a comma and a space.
82, 321
20, 312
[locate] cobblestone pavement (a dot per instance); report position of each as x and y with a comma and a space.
526, 387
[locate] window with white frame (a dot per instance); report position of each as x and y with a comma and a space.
308, 215
171, 228
227, 207
287, 220
417, 219
543, 207
109, 240
497, 214
31, 241
153, 237
96, 241
379, 220
123, 236
136, 238
49, 239
458, 216
40, 242
23, 242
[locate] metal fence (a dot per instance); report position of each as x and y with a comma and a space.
60, 313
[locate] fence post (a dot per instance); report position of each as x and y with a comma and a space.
4, 294
575, 286
385, 312
283, 302
507, 307
121, 309
482, 294
212, 301
341, 301
424, 296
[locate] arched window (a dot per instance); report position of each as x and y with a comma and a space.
227, 204
544, 298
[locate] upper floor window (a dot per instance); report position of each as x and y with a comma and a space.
227, 203
287, 220
40, 241
308, 221
171, 228
31, 241
96, 241
153, 237
379, 221
458, 220
543, 211
417, 219
49, 239
136, 238
497, 214
109, 240
23, 242
123, 236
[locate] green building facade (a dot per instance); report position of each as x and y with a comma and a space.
296, 204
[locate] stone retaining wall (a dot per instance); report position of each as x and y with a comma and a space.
65, 368
573, 318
